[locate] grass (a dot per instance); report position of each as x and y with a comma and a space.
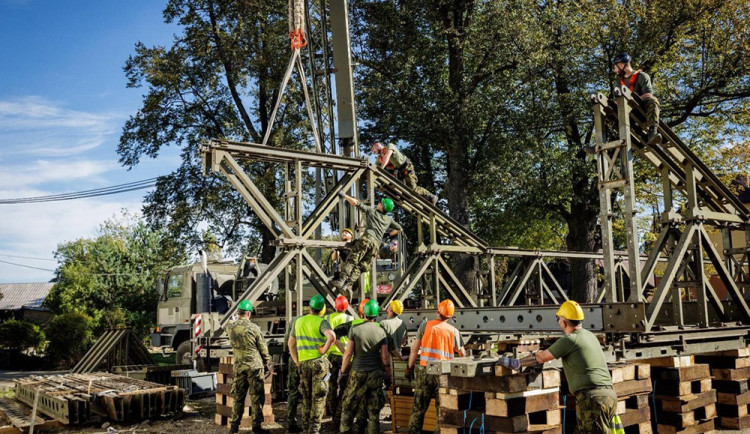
10, 393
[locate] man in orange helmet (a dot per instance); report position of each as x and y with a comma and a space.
437, 340
335, 356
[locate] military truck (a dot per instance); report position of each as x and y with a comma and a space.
208, 288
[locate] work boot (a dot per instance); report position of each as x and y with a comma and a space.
234, 428
260, 430
433, 199
294, 428
654, 138
339, 284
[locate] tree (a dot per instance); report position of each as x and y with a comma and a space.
218, 79
20, 336
502, 96
113, 274
70, 336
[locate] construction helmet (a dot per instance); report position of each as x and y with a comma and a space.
397, 306
446, 308
387, 204
351, 232
570, 310
246, 306
372, 309
317, 302
362, 306
622, 58
342, 303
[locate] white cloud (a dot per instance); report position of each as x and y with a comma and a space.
36, 126
35, 230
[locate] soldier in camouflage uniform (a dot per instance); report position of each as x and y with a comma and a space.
309, 341
377, 224
292, 385
368, 345
639, 83
250, 359
392, 160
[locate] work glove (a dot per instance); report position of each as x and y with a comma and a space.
341, 194
409, 373
388, 381
343, 379
510, 363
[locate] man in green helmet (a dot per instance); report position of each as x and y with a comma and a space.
309, 341
250, 359
377, 223
368, 345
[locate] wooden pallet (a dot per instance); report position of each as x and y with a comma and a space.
401, 410
513, 424
682, 388
225, 399
533, 429
702, 427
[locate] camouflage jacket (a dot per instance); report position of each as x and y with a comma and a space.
248, 345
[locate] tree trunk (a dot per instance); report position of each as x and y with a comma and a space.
582, 238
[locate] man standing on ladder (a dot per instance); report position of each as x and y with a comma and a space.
250, 359
378, 222
437, 340
315, 337
585, 369
335, 356
640, 83
392, 160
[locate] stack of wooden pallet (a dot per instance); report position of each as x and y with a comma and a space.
731, 381
632, 383
73, 398
476, 399
225, 400
684, 400
401, 398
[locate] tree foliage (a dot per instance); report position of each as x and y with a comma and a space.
70, 336
21, 336
113, 275
217, 80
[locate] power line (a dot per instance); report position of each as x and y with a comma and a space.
25, 266
29, 257
105, 191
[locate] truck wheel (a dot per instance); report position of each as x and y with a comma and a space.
184, 357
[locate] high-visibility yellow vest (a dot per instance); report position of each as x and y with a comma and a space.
336, 319
307, 333
615, 426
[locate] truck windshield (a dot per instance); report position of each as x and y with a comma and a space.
174, 285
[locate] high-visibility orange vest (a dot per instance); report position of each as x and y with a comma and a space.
388, 166
437, 342
633, 77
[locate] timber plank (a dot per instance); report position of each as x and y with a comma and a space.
688, 418
681, 404
687, 373
731, 374
632, 387
675, 388
670, 362
515, 424
724, 362
736, 387
733, 410
636, 417
734, 399
695, 429
736, 423
509, 407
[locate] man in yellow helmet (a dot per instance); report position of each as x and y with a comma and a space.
585, 369
395, 328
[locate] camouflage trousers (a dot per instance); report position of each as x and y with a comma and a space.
364, 391
407, 175
292, 385
359, 258
427, 388
333, 399
595, 409
248, 379
314, 376
652, 110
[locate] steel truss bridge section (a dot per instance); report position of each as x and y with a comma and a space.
683, 240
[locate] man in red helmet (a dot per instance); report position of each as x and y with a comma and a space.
639, 83
335, 356
438, 340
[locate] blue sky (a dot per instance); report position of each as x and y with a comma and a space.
63, 103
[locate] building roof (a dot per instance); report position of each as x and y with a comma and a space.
20, 295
